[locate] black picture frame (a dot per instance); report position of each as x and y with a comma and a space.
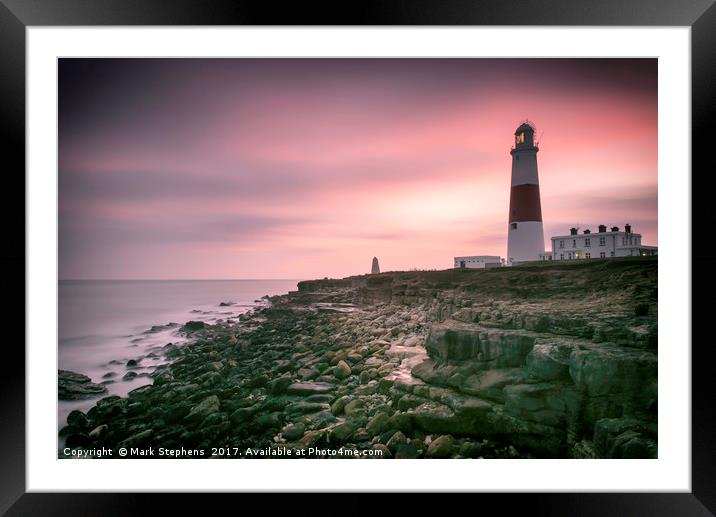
17, 15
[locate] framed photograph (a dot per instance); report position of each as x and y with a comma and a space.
454, 238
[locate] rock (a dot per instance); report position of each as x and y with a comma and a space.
280, 386
401, 421
258, 381
98, 432
441, 447
136, 439
308, 374
192, 326
412, 341
378, 424
293, 431
549, 361
77, 440
132, 363
543, 403
324, 398
77, 419
338, 406
406, 451
302, 407
453, 340
617, 380
384, 452
129, 376
206, 407
397, 439
75, 386
490, 383
342, 370
268, 421
641, 309
309, 388
584, 450
622, 438
470, 449
354, 406
242, 415
342, 432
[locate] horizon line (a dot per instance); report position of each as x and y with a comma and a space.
175, 279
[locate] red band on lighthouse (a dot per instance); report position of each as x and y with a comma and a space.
525, 204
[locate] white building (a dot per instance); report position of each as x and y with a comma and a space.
478, 262
602, 244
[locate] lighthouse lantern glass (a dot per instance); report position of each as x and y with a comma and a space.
520, 139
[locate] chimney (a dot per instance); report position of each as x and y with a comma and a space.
602, 228
615, 228
627, 228
587, 231
573, 231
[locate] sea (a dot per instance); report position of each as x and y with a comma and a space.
105, 323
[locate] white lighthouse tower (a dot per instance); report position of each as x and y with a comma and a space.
525, 236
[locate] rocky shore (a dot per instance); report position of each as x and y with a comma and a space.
549, 361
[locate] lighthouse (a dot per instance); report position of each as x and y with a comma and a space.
525, 236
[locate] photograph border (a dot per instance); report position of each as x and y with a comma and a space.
16, 15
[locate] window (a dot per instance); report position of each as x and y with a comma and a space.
611, 253
513, 226
602, 254
574, 243
569, 256
587, 255
561, 244
561, 256
602, 241
587, 243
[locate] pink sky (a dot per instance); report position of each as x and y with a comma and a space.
280, 168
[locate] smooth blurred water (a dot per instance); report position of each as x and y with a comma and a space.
103, 324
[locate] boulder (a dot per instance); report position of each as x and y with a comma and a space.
378, 424
309, 388
382, 451
490, 383
406, 451
441, 447
293, 432
136, 439
203, 409
342, 370
457, 341
398, 438
338, 406
192, 326
354, 406
280, 385
342, 432
75, 386
77, 419
549, 360
623, 438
